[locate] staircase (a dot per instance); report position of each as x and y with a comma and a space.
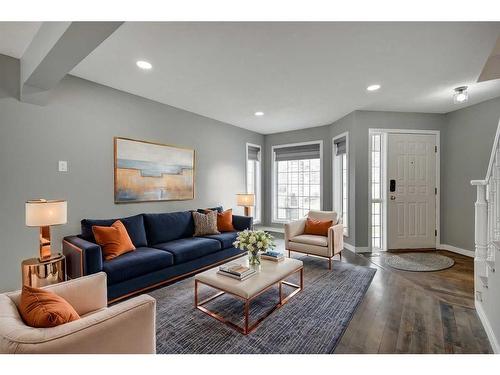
487, 240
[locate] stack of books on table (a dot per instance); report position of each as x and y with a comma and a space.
275, 256
236, 271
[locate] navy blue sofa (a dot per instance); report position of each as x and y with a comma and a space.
165, 251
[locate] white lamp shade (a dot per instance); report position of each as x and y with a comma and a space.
246, 200
40, 213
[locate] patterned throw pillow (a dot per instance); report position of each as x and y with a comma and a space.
205, 224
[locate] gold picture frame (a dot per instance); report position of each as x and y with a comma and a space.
147, 171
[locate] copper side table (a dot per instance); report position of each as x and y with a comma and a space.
38, 273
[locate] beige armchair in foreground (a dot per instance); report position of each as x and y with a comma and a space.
322, 246
127, 327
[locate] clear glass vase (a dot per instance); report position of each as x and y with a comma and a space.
254, 258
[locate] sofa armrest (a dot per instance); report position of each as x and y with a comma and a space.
242, 222
82, 257
294, 228
127, 327
335, 239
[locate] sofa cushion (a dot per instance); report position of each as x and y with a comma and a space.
310, 239
226, 239
136, 263
133, 224
203, 210
169, 226
186, 249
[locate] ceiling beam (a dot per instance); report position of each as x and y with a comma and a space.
54, 51
491, 69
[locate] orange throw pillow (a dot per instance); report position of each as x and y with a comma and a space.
225, 221
317, 227
41, 308
114, 240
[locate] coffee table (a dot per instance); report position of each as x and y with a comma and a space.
269, 273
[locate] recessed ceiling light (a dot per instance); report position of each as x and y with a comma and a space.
461, 95
373, 88
144, 64
259, 113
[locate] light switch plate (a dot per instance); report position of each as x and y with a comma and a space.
63, 166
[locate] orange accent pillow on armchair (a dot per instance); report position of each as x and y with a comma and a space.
41, 308
114, 240
317, 227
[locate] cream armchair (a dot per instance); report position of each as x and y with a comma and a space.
127, 327
322, 246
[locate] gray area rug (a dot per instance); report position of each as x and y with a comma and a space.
313, 321
418, 262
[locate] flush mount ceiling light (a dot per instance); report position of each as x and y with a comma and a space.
144, 65
373, 88
259, 113
461, 95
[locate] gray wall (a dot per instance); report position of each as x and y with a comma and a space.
357, 124
78, 125
82, 118
467, 142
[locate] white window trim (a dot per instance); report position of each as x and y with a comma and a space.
259, 191
386, 132
273, 177
337, 175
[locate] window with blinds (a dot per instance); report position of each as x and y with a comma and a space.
254, 178
297, 181
340, 181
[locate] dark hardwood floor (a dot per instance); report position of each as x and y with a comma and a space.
415, 312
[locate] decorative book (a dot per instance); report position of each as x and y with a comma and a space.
236, 269
236, 277
273, 258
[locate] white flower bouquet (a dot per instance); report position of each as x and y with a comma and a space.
254, 241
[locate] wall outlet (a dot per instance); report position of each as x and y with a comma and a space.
63, 166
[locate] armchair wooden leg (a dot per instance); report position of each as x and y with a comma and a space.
289, 254
329, 263
340, 255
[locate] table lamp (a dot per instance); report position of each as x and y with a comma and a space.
247, 201
43, 213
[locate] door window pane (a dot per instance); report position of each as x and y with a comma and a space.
376, 191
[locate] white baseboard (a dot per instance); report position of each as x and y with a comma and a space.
454, 249
356, 249
487, 327
349, 247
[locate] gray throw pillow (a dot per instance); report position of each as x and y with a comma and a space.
205, 224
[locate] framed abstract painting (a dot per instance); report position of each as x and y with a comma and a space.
151, 172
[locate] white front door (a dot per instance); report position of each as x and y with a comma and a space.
411, 191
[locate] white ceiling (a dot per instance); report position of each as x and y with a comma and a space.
300, 74
15, 37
